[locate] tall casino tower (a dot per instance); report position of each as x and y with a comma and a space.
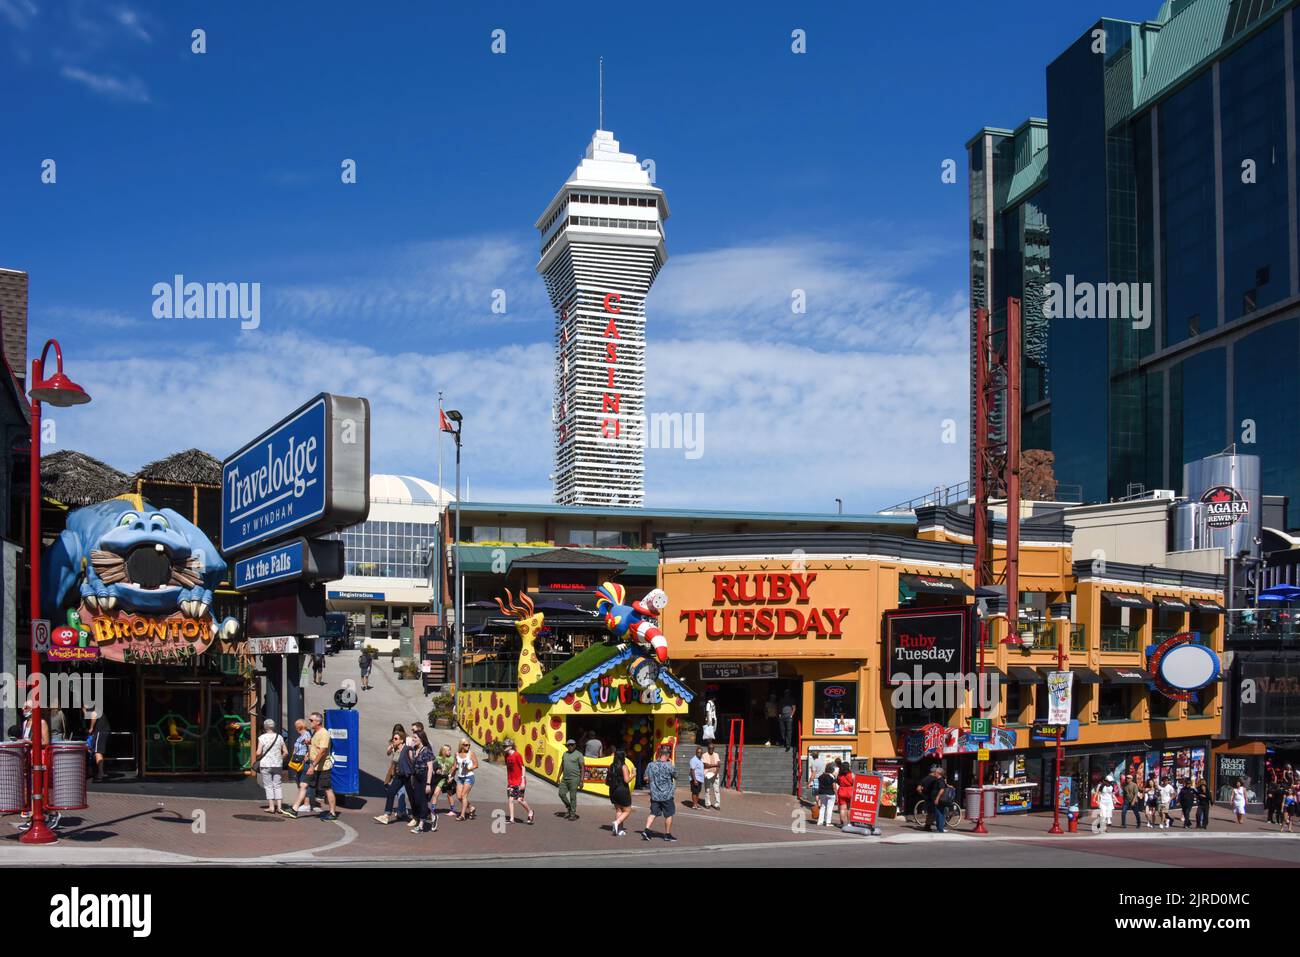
602, 246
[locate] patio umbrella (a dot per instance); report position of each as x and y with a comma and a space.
1280, 593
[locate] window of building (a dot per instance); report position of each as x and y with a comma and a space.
1015, 702
582, 537
835, 707
1161, 707
1113, 703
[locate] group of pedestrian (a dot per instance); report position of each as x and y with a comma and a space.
309, 761
1281, 796
418, 778
706, 777
835, 786
1153, 802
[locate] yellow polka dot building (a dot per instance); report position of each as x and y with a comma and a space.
593, 690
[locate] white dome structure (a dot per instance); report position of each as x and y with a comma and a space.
392, 560
407, 490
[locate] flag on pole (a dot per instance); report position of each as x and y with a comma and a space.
443, 422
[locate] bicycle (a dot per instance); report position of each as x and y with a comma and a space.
952, 814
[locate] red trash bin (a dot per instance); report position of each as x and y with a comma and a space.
15, 776
66, 787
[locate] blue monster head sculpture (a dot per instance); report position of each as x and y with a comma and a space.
126, 555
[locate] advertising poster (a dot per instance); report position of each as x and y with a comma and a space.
864, 806
889, 771
1064, 793
831, 726
1060, 687
1153, 765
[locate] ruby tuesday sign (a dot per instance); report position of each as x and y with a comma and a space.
927, 642
764, 607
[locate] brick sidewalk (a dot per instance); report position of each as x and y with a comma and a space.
225, 830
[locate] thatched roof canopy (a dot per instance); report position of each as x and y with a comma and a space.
74, 478
191, 467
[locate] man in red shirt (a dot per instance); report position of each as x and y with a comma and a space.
515, 782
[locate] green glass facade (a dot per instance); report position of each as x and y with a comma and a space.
1173, 188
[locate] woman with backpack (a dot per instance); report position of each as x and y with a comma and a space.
395, 789
271, 754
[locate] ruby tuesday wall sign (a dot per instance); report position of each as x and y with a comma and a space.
764, 607
927, 644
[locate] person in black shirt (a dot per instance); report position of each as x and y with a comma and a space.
936, 795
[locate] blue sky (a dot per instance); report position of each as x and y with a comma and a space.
818, 171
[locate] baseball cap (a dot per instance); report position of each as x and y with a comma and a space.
569, 742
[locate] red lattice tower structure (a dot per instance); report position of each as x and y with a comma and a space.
997, 448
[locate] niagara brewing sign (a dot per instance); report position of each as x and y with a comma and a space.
1224, 506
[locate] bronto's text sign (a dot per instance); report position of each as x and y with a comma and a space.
307, 474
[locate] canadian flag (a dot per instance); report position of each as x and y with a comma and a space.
443, 423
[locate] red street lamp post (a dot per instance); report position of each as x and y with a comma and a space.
1056, 798
983, 708
59, 391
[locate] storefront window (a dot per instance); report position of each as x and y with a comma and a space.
1015, 702
835, 707
1113, 704
1163, 708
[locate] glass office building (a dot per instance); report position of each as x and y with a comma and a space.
1156, 255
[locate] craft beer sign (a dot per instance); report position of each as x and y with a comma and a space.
307, 474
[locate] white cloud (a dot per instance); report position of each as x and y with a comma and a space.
450, 281
856, 296
126, 90
849, 401
19, 13
130, 21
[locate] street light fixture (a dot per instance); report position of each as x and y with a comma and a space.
61, 392
458, 647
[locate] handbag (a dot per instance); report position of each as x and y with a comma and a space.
284, 752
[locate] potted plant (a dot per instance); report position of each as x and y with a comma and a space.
686, 732
444, 708
495, 750
408, 669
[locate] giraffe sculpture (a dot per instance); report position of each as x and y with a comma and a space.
528, 623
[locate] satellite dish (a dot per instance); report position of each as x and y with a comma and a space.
345, 698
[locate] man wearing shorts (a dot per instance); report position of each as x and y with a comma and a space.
515, 782
662, 778
320, 761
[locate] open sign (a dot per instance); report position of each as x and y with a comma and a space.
835, 691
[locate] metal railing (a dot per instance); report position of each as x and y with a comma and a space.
1118, 638
1263, 624
939, 496
1078, 638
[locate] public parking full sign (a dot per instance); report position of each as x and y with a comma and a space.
865, 803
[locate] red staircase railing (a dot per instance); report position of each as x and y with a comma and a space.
798, 764
735, 753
